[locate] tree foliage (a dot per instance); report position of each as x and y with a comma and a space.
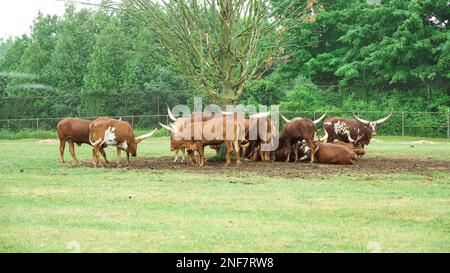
332, 56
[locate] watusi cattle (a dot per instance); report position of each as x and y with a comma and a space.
298, 129
180, 123
203, 133
260, 129
74, 131
330, 153
112, 132
348, 130
354, 146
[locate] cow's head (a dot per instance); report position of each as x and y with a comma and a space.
372, 125
174, 144
132, 145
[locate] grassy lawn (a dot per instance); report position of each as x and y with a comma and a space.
47, 208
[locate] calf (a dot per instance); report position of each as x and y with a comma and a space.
74, 130
113, 132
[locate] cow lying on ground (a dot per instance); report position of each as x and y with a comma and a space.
357, 148
74, 130
354, 145
112, 132
329, 153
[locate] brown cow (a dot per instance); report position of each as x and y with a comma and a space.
74, 130
330, 153
348, 130
259, 129
231, 133
354, 146
177, 145
298, 129
113, 132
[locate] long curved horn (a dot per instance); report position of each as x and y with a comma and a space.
325, 137
166, 127
260, 115
98, 141
359, 138
320, 119
284, 118
140, 138
350, 139
171, 116
360, 119
384, 119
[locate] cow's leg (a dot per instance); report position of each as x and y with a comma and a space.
128, 158
296, 151
119, 153
62, 146
102, 152
72, 152
190, 156
237, 151
311, 146
255, 152
183, 157
95, 151
201, 153
228, 145
288, 157
176, 155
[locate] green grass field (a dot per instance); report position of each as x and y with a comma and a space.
48, 208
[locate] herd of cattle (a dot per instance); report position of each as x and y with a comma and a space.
254, 137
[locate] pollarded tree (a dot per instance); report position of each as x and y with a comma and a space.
217, 45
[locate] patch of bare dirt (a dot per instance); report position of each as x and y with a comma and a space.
363, 166
48, 141
422, 142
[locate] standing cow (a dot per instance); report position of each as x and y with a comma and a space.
296, 130
260, 130
74, 130
195, 135
348, 130
179, 123
112, 132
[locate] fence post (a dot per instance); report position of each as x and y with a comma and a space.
403, 123
132, 121
8, 124
37, 124
448, 123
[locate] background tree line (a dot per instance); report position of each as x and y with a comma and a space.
352, 54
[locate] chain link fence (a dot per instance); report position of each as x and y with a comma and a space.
426, 124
